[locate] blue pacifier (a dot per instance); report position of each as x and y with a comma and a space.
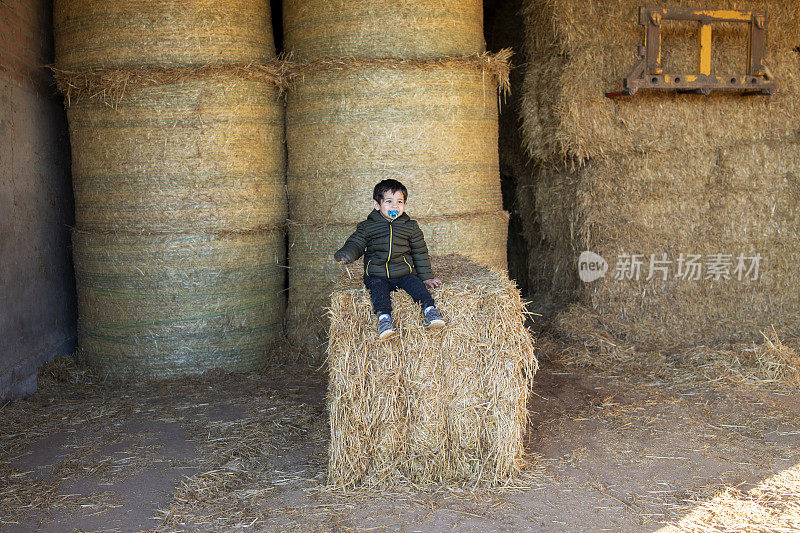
393, 213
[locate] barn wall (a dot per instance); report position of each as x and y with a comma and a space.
37, 289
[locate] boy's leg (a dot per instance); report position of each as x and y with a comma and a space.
379, 291
416, 289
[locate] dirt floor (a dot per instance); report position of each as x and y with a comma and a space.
610, 451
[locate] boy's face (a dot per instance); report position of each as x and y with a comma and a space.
392, 205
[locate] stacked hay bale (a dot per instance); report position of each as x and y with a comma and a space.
166, 33
366, 105
383, 28
176, 127
430, 407
663, 174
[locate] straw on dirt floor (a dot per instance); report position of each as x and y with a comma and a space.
579, 49
134, 33
242, 428
241, 463
176, 150
431, 124
580, 337
312, 273
159, 305
427, 407
740, 202
381, 28
771, 506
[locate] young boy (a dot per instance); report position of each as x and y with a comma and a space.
395, 257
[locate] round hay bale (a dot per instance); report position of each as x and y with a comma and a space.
205, 154
433, 128
134, 33
383, 28
161, 305
481, 237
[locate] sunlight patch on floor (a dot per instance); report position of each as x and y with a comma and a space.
773, 505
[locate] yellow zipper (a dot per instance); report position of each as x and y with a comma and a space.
367, 269
410, 268
390, 250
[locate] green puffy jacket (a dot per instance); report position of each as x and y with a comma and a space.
391, 249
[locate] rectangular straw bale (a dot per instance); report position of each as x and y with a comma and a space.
312, 273
579, 49
548, 225
428, 406
739, 200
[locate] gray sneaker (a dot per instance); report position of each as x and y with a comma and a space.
386, 328
433, 319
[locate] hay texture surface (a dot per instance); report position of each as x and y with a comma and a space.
661, 177
771, 506
159, 305
579, 49
313, 273
205, 154
351, 122
133, 33
430, 124
732, 201
447, 406
383, 28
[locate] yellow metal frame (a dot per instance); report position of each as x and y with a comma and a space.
649, 73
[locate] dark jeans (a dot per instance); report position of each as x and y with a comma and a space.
381, 288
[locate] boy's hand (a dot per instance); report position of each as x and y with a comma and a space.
341, 261
432, 283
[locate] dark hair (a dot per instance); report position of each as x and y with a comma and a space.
391, 186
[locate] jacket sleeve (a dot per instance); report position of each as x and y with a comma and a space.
354, 246
419, 253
